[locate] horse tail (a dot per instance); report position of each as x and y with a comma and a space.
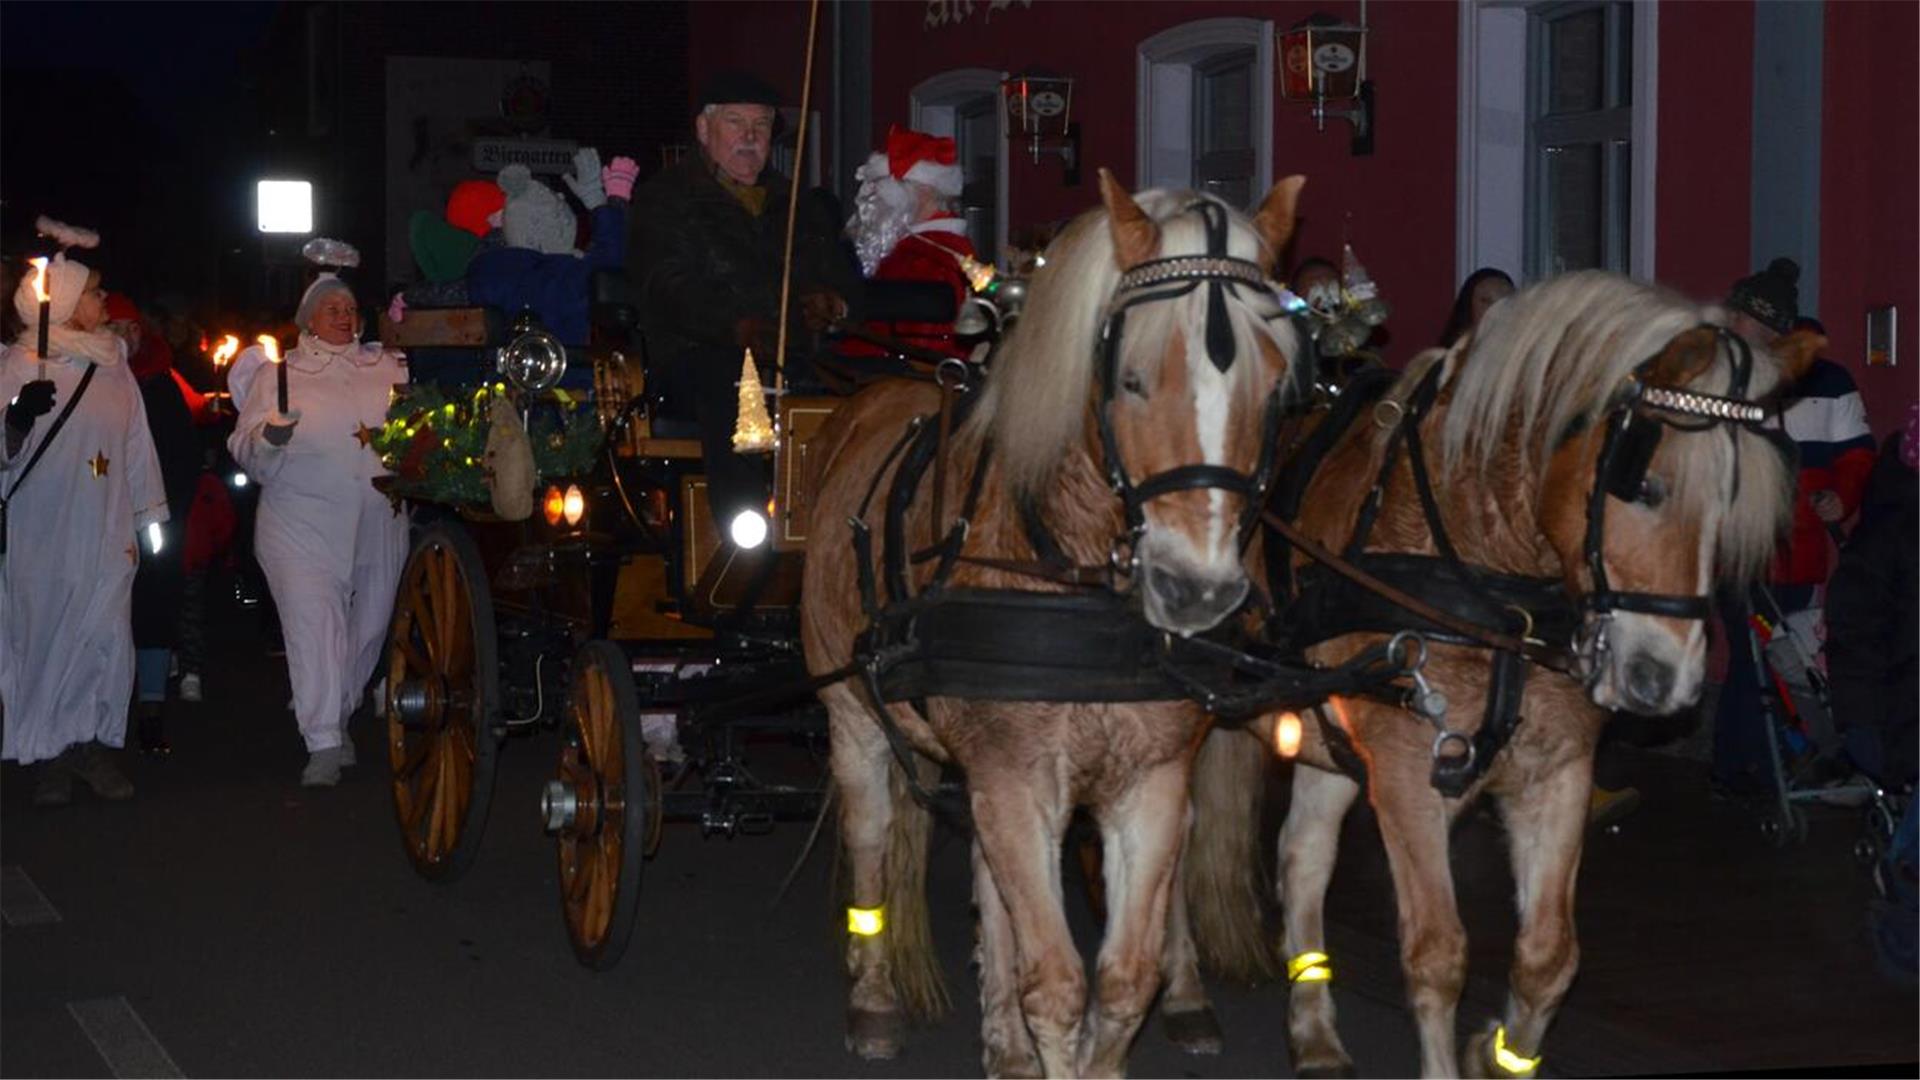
917, 978
1222, 865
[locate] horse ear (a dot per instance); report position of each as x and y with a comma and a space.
1135, 237
1796, 353
1685, 358
1274, 221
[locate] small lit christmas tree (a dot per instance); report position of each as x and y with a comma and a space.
753, 431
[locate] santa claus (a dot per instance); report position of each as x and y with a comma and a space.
904, 229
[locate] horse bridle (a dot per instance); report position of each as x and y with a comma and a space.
1169, 279
1636, 422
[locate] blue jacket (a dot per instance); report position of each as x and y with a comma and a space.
557, 287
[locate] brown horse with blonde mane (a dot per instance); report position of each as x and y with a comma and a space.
1115, 439
1534, 476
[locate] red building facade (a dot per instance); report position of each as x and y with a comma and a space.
1698, 70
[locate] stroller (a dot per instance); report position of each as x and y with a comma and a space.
1798, 720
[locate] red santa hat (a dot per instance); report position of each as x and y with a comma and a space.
919, 158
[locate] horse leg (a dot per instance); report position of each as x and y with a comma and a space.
1019, 816
1309, 845
859, 758
1142, 832
1185, 1013
1006, 1046
1546, 825
1433, 944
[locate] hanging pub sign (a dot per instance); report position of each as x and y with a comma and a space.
1038, 105
1322, 58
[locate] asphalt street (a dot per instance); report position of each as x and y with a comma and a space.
227, 922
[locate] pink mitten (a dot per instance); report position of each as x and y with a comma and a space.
618, 178
397, 311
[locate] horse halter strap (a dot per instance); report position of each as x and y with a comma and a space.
1168, 279
1635, 425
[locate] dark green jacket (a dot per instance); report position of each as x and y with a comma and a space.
698, 262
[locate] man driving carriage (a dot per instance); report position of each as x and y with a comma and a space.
705, 248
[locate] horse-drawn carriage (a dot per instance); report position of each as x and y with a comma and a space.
615, 613
1044, 579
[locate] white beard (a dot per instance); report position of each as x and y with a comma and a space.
883, 213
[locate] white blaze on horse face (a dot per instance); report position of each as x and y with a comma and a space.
1676, 648
1212, 412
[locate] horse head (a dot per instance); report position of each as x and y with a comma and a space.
1627, 419
1192, 366
1672, 491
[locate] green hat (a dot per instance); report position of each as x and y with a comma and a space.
442, 250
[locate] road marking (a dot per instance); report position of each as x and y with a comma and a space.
21, 901
122, 1038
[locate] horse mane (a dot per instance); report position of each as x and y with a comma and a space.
1553, 358
1037, 403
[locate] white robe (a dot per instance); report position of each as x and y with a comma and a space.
66, 587
332, 547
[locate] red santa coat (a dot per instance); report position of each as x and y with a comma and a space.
927, 253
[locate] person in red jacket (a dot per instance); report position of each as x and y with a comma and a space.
904, 229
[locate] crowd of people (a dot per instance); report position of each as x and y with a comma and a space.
107, 444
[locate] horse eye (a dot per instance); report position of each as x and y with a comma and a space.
1653, 492
1132, 384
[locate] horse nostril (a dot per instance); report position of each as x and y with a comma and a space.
1649, 681
1174, 591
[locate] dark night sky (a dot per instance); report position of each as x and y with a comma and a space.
132, 119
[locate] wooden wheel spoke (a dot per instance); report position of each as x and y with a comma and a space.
410, 654
417, 755
445, 601
419, 605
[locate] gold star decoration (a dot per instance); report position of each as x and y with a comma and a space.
98, 466
365, 435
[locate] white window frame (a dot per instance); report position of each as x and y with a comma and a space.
932, 108
1490, 217
1163, 102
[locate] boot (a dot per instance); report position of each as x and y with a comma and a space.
151, 724
95, 766
53, 781
323, 768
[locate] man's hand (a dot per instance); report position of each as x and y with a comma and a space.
1826, 503
754, 332
279, 429
820, 309
34, 401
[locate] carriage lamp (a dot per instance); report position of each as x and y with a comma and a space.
553, 506
1324, 60
533, 359
748, 529
866, 922
1310, 967
1286, 734
573, 505
1040, 110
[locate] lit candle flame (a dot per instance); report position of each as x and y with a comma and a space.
224, 353
270, 345
40, 292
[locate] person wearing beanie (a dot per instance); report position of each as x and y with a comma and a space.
537, 266
81, 486
331, 546
159, 587
1826, 420
904, 229
705, 247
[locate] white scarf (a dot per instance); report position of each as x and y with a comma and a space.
102, 347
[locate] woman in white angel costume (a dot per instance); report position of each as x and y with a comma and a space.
332, 547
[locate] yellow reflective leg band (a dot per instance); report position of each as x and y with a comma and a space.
866, 922
1309, 967
1513, 1063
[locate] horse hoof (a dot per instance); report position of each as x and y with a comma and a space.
1329, 1072
874, 1036
1196, 1031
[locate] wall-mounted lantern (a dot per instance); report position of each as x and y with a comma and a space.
1322, 61
1040, 111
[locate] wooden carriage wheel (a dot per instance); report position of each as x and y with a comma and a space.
443, 688
598, 807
